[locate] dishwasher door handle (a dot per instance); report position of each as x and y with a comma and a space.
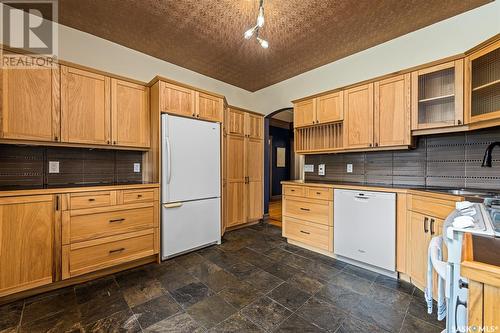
361, 197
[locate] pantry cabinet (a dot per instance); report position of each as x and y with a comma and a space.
482, 86
304, 113
319, 110
437, 96
26, 242
30, 104
187, 102
358, 123
85, 107
130, 114
244, 165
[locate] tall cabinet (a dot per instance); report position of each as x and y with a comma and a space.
244, 167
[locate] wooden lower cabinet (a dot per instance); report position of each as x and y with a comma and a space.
26, 242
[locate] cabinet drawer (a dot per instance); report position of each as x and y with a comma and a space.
298, 191
322, 193
316, 235
92, 226
133, 196
435, 207
92, 199
99, 255
318, 211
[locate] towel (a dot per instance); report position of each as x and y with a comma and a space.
434, 262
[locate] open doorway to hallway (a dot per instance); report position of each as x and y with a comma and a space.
280, 161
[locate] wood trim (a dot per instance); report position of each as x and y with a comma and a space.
57, 244
245, 110
109, 239
56, 104
401, 232
180, 84
477, 271
43, 193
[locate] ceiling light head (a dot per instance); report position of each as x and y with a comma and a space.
264, 43
249, 33
260, 18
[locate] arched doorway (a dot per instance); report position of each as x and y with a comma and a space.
280, 161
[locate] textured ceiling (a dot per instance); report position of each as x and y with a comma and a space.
206, 36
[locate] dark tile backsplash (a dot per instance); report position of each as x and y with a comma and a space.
29, 166
449, 160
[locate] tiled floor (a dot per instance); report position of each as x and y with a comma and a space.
253, 282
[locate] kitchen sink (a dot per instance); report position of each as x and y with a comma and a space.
471, 193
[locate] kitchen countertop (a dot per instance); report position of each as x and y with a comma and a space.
441, 191
9, 191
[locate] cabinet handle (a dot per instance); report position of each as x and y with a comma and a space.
116, 220
57, 203
139, 195
292, 190
318, 193
305, 232
91, 199
426, 219
432, 227
117, 250
305, 209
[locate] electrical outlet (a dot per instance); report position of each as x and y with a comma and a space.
53, 166
349, 168
308, 167
137, 167
321, 170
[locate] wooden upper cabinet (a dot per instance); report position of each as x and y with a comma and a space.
392, 111
177, 100
209, 107
85, 107
235, 122
437, 96
482, 86
254, 126
330, 108
130, 114
304, 113
26, 242
358, 118
30, 104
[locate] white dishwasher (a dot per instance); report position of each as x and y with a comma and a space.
365, 227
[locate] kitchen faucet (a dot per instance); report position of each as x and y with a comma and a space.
487, 154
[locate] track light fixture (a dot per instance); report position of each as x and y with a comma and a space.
255, 30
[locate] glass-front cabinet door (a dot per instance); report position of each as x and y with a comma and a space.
437, 96
482, 84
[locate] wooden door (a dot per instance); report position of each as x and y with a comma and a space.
235, 122
491, 309
254, 126
26, 241
418, 241
304, 113
85, 107
130, 114
209, 107
330, 108
392, 111
358, 117
176, 100
236, 180
30, 104
255, 170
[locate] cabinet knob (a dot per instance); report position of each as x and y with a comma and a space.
108, 142
56, 138
459, 122
114, 142
370, 145
376, 144
194, 115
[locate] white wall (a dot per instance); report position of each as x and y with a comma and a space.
437, 41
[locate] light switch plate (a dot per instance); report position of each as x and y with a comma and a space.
137, 167
321, 169
53, 166
308, 167
349, 168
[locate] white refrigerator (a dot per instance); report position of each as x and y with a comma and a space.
191, 180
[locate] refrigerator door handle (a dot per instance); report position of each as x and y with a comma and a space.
173, 205
169, 160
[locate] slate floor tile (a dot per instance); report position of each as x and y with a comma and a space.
134, 277
266, 313
123, 321
295, 323
278, 254
220, 280
203, 269
236, 323
289, 296
355, 325
322, 271
189, 260
418, 309
341, 297
57, 322
241, 269
282, 271
49, 305
211, 311
143, 292
191, 294
360, 272
306, 282
102, 305
156, 310
354, 283
255, 258
322, 314
175, 278
393, 298
378, 314
10, 315
395, 284
178, 323
240, 294
263, 281
106, 286
412, 324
